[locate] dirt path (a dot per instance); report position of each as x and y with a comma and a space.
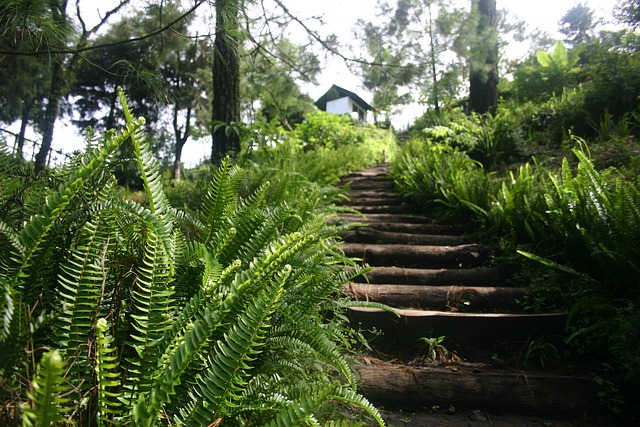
441, 282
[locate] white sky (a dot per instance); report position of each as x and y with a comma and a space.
340, 16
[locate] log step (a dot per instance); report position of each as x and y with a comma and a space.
380, 194
372, 235
421, 256
480, 330
443, 298
391, 218
374, 201
378, 209
366, 185
526, 393
479, 276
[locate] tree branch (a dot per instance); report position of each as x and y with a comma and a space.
105, 45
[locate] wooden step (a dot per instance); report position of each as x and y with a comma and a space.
407, 326
372, 235
368, 184
374, 201
391, 218
378, 209
522, 392
479, 276
418, 256
443, 298
364, 193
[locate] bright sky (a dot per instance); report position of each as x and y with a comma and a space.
340, 16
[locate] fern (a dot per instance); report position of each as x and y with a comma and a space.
223, 383
300, 412
47, 405
81, 298
108, 377
40, 225
220, 199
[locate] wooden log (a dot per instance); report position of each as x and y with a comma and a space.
526, 393
370, 183
372, 235
381, 194
393, 218
480, 276
445, 298
373, 201
421, 256
379, 209
482, 330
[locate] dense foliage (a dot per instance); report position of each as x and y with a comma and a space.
117, 312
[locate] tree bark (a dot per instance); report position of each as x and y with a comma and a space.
181, 139
483, 74
27, 106
226, 81
50, 115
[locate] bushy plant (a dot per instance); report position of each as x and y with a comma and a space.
326, 130
493, 140
116, 312
438, 175
581, 224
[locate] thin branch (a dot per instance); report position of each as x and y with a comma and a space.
105, 45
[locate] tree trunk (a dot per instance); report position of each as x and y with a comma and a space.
226, 81
434, 73
483, 74
27, 106
50, 115
181, 139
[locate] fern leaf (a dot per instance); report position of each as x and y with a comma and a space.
220, 198
107, 375
152, 296
38, 227
220, 387
297, 412
47, 404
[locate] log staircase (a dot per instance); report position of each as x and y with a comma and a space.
439, 282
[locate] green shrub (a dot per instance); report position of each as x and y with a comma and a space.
231, 314
326, 130
438, 175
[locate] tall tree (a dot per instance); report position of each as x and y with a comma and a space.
577, 24
410, 50
269, 78
225, 110
628, 12
483, 64
63, 68
159, 74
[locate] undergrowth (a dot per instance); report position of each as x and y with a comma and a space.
578, 224
119, 310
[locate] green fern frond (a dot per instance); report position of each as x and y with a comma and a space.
220, 199
47, 406
82, 296
298, 412
107, 375
40, 225
221, 386
348, 395
149, 168
147, 164
344, 423
152, 296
